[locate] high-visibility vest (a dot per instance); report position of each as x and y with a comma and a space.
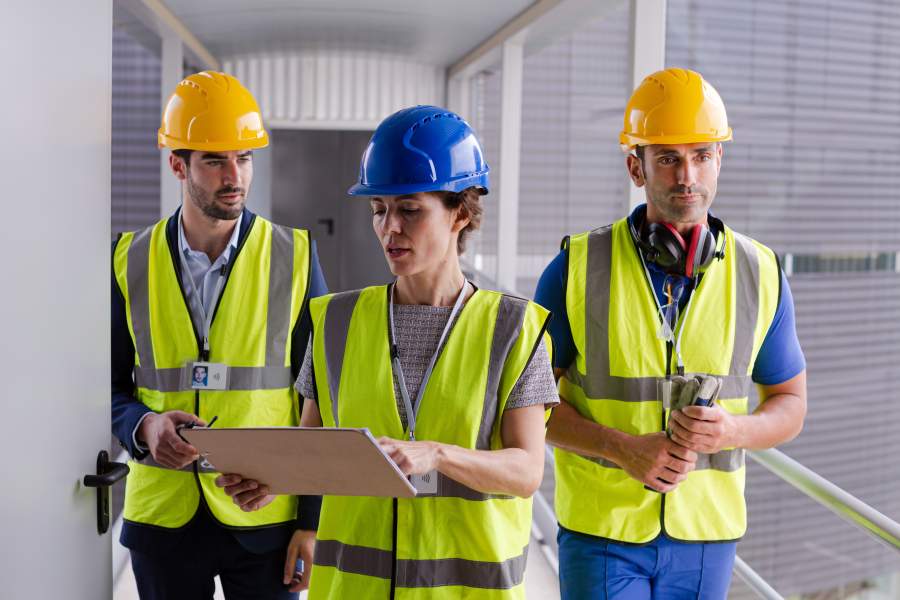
614, 321
460, 543
265, 292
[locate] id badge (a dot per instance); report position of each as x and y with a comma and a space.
209, 376
425, 484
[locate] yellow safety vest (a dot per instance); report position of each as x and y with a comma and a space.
460, 543
266, 290
614, 321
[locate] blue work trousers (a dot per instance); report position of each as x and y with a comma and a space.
592, 568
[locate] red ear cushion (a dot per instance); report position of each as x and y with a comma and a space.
690, 259
675, 233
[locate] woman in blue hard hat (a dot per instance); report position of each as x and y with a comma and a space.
455, 379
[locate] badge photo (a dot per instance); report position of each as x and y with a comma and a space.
209, 376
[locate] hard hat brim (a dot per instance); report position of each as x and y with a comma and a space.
629, 141
172, 143
361, 189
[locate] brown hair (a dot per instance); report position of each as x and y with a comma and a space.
469, 201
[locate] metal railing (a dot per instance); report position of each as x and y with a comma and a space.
842, 503
754, 581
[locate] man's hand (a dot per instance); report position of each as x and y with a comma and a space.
413, 458
166, 446
302, 545
248, 494
656, 461
703, 429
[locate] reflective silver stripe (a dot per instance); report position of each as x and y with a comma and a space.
178, 379
202, 466
642, 389
459, 571
746, 310
450, 488
596, 381
510, 316
138, 295
411, 573
337, 327
726, 460
281, 270
360, 560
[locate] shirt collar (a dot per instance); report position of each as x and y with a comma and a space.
186, 250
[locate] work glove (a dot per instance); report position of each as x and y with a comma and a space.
681, 391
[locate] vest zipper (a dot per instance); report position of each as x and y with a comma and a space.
394, 552
662, 506
670, 346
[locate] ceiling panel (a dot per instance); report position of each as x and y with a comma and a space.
434, 31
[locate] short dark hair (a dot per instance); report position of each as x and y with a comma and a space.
184, 154
470, 201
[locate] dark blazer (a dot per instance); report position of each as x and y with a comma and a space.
127, 411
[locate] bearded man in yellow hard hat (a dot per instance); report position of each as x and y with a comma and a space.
217, 290
663, 321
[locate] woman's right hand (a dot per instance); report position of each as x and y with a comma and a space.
248, 494
412, 458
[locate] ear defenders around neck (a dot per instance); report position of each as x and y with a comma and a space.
666, 247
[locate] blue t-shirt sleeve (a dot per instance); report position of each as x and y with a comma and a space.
317, 285
780, 357
551, 294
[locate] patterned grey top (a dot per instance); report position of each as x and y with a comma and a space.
418, 331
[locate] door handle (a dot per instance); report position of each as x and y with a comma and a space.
329, 225
108, 473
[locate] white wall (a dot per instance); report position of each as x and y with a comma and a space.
54, 305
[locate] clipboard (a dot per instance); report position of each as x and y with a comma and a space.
304, 460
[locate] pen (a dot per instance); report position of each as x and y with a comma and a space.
212, 421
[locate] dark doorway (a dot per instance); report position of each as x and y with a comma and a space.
311, 171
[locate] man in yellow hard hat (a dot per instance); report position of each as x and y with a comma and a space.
662, 323
216, 290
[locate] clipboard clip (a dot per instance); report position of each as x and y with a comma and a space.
181, 427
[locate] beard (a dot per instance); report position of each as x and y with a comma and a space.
674, 212
206, 201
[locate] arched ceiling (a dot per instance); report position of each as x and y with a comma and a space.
437, 32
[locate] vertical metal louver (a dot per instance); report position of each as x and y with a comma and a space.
572, 170
812, 90
135, 119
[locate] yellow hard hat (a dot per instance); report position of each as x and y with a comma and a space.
674, 106
213, 112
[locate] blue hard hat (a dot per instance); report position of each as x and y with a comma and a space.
421, 149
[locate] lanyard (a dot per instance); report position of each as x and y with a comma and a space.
206, 318
398, 368
667, 332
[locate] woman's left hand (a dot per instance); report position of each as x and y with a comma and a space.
413, 458
248, 494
